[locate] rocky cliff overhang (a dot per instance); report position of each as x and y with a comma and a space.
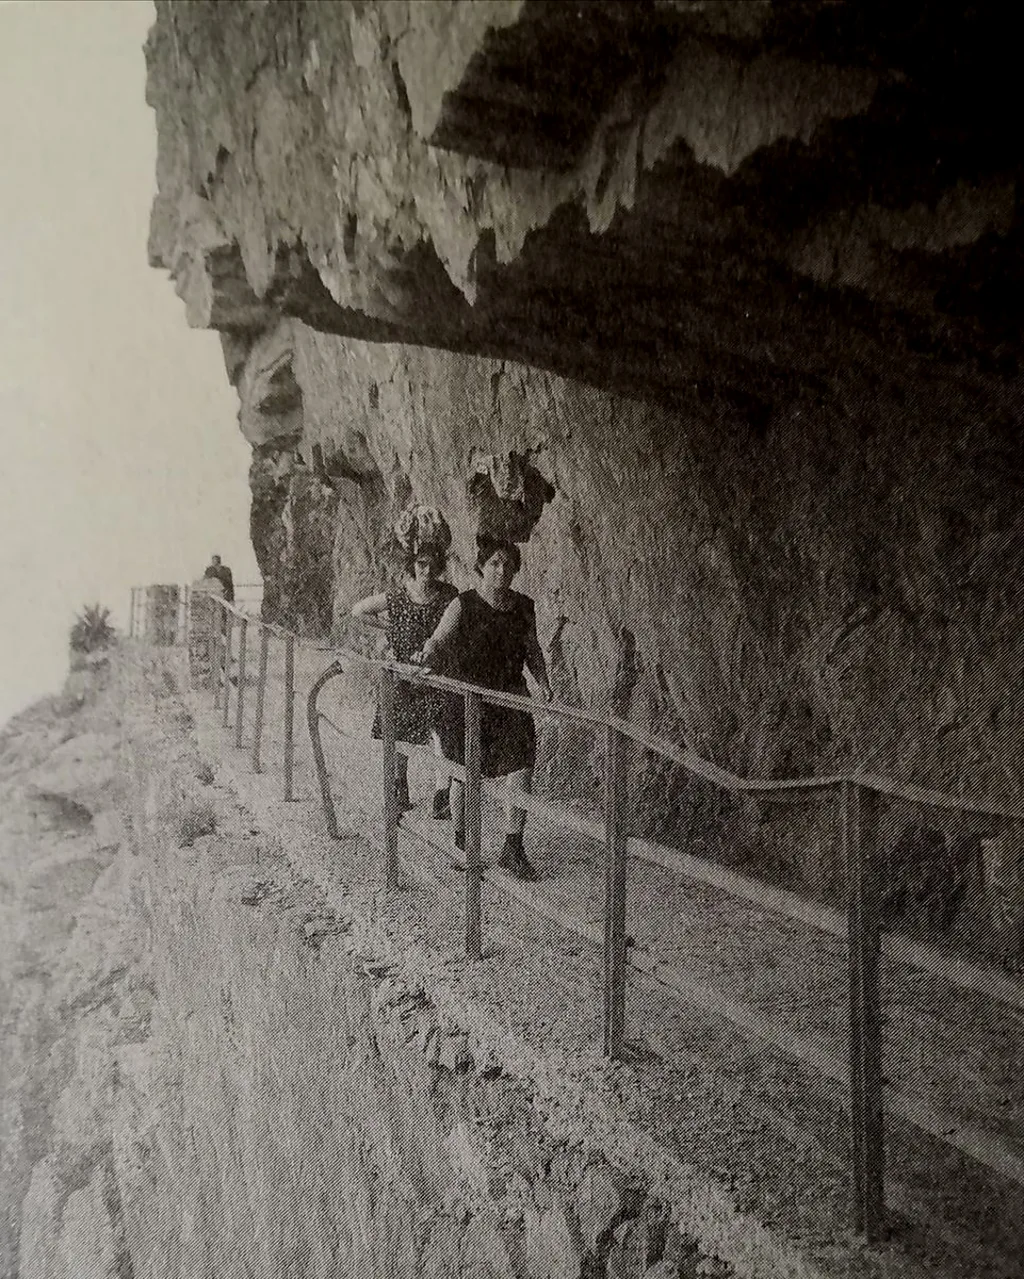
753, 203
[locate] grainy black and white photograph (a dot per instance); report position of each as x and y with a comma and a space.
512, 551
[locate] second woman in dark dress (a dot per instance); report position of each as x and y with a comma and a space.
488, 636
412, 610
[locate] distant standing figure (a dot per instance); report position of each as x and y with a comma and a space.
413, 610
488, 636
222, 574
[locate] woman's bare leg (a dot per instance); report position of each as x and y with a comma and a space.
402, 781
515, 818
456, 797
512, 858
440, 772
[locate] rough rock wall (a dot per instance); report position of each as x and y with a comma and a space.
201, 1079
68, 942
749, 203
829, 596
738, 286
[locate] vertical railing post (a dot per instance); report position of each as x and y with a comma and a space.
243, 632
261, 690
474, 923
229, 627
614, 893
860, 839
289, 718
387, 733
218, 622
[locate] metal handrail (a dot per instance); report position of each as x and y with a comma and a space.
952, 968
681, 755
860, 794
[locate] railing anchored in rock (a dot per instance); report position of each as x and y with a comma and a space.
858, 795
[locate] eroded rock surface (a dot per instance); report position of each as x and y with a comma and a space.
644, 196
68, 943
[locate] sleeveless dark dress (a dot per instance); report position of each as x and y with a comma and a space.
489, 648
410, 625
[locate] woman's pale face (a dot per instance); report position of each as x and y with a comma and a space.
497, 572
426, 569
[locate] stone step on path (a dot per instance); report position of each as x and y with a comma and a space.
790, 972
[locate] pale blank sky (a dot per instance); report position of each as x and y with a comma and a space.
120, 454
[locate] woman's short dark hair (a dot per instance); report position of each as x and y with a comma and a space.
488, 546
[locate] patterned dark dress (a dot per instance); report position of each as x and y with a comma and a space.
410, 625
489, 648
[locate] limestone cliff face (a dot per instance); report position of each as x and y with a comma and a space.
714, 306
72, 991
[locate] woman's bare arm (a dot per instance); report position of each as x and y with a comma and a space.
371, 606
442, 636
536, 664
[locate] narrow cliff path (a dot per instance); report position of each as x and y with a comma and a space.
765, 1130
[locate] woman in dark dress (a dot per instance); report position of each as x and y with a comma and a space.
487, 636
412, 611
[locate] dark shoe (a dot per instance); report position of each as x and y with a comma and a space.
515, 861
442, 806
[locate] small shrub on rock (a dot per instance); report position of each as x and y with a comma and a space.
92, 630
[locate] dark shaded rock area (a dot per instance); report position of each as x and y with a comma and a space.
740, 283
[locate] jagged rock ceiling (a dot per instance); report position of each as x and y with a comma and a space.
749, 202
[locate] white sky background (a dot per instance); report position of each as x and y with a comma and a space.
121, 461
